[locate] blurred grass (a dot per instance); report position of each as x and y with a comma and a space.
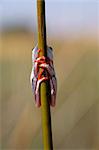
75, 119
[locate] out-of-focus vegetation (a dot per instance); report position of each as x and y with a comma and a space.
75, 119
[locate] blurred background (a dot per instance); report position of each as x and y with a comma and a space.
73, 32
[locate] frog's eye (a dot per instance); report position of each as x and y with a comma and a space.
51, 48
35, 48
32, 49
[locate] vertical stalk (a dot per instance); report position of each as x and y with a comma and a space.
44, 88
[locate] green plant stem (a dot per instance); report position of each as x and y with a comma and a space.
44, 88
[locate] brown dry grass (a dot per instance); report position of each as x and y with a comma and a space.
75, 117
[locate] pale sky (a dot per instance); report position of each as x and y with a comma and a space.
61, 15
